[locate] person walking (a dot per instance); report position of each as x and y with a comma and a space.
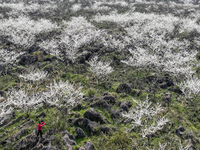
40, 125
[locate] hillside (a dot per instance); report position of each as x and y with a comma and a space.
104, 75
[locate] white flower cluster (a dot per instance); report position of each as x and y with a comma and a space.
22, 30
76, 7
27, 98
76, 33
9, 56
191, 86
5, 110
34, 75
24, 99
99, 68
146, 110
62, 93
22, 8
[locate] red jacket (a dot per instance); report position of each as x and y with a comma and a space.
41, 125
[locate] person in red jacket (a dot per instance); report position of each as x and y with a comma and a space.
40, 125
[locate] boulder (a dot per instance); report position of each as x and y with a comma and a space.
77, 107
93, 115
42, 147
19, 134
105, 93
189, 135
90, 126
68, 142
124, 88
102, 103
180, 130
69, 135
80, 133
14, 121
88, 145
109, 99
105, 130
163, 85
115, 114
124, 107
139, 93
28, 142
27, 59
43, 114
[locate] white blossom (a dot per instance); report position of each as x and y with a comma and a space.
61, 93
34, 75
99, 68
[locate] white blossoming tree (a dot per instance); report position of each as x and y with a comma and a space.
141, 115
99, 68
61, 95
5, 111
24, 99
34, 75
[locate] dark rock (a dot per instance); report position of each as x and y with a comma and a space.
105, 93
101, 103
68, 142
69, 135
92, 115
90, 126
43, 114
138, 93
85, 57
189, 135
48, 59
27, 59
124, 107
176, 90
19, 134
42, 147
88, 145
77, 107
33, 48
170, 83
115, 114
109, 99
124, 88
80, 133
2, 93
163, 85
180, 130
28, 142
105, 130
14, 121
129, 104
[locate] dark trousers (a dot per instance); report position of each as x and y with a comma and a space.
39, 132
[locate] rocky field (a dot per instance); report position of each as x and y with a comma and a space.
104, 75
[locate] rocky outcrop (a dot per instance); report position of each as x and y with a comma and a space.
43, 114
13, 122
124, 107
180, 130
102, 103
69, 135
90, 126
88, 145
115, 114
80, 133
93, 115
110, 99
124, 88
105, 130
